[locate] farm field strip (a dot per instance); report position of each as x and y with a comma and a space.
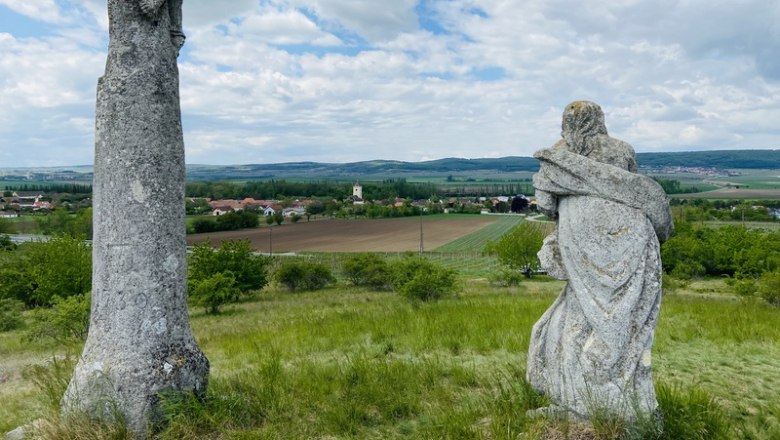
733, 193
475, 241
381, 235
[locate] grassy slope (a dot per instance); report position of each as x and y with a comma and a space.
346, 363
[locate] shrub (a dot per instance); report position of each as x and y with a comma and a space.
517, 248
237, 220
10, 314
61, 267
303, 275
67, 319
744, 287
369, 270
213, 292
250, 271
202, 225
6, 243
769, 287
506, 277
418, 278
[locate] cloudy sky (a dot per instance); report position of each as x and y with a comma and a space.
266, 81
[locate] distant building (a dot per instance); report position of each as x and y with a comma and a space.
357, 194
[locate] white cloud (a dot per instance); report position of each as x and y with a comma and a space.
285, 28
42, 10
285, 80
372, 20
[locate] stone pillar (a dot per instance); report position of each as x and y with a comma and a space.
140, 343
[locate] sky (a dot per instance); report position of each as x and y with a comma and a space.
270, 81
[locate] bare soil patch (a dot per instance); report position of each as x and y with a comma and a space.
384, 235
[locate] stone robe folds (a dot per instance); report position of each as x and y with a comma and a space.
590, 351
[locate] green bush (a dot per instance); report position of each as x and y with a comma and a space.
10, 314
6, 244
744, 287
61, 267
250, 271
769, 287
67, 319
230, 221
213, 292
517, 248
303, 275
506, 277
368, 270
416, 277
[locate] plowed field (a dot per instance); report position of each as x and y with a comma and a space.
385, 235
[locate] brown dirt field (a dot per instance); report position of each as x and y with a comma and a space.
733, 193
384, 235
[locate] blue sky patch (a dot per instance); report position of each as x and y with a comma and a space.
489, 74
21, 26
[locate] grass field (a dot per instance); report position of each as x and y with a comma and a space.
348, 363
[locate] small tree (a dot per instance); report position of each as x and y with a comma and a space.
215, 291
417, 277
517, 248
60, 267
234, 256
278, 218
10, 314
6, 244
368, 270
519, 204
769, 287
303, 275
67, 319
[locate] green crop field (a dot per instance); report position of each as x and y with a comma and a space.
475, 241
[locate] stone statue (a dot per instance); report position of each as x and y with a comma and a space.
590, 351
140, 344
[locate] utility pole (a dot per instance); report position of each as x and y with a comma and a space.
270, 241
421, 232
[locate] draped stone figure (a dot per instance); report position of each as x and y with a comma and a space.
590, 351
140, 343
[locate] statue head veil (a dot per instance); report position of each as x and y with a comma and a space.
582, 120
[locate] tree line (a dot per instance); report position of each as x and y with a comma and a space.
73, 188
280, 189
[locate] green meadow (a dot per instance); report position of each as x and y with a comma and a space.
347, 363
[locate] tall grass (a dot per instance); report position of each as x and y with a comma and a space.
349, 363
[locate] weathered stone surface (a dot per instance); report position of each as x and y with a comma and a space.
140, 343
590, 351
24, 432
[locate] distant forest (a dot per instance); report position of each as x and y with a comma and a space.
386, 189
751, 159
722, 159
378, 170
